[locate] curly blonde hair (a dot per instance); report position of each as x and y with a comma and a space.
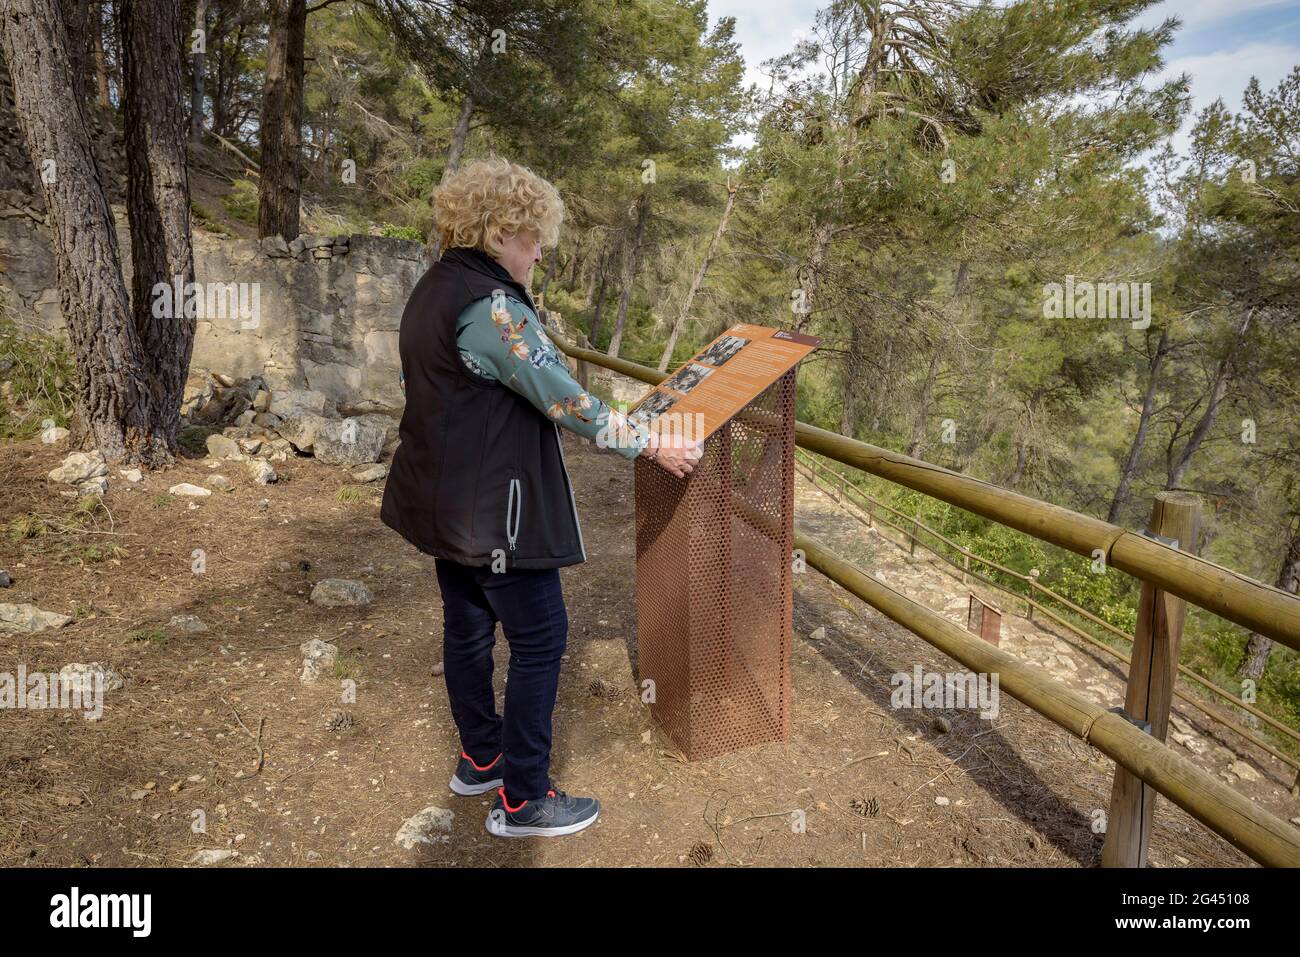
486, 201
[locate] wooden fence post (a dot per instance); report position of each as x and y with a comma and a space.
1151, 677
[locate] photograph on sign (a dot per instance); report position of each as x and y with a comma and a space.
722, 350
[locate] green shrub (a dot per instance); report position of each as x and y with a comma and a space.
40, 376
241, 202
401, 232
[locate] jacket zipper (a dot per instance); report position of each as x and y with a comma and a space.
515, 503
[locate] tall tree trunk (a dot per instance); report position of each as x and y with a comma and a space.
455, 150
1022, 459
851, 387
699, 279
76, 18
552, 262
158, 198
1259, 648
1218, 389
280, 189
917, 444
1129, 469
810, 276
632, 265
600, 300
101, 63
196, 86
113, 403
596, 276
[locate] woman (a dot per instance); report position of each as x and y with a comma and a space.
479, 482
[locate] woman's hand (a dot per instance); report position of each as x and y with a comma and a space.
673, 453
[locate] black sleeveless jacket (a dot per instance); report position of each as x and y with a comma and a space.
479, 474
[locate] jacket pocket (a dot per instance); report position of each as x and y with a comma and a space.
514, 511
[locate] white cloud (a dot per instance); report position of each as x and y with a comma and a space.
1199, 13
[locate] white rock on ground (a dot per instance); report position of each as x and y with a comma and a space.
352, 441
222, 446
338, 592
318, 660
214, 856
301, 429
78, 467
95, 486
131, 475
430, 826
369, 473
262, 472
185, 488
1243, 770
189, 623
82, 676
27, 619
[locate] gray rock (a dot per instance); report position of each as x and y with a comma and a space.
193, 491
245, 418
251, 445
95, 486
28, 619
221, 446
54, 435
275, 247
5, 580
216, 855
262, 472
369, 473
82, 677
78, 467
221, 483
340, 592
318, 660
286, 402
262, 401
316, 242
354, 441
430, 826
267, 420
301, 429
131, 475
188, 623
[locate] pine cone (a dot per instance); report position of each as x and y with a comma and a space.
700, 854
338, 721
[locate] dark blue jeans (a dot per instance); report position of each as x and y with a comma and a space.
530, 606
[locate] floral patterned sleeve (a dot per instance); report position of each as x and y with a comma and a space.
501, 338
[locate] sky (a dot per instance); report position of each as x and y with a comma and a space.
1221, 44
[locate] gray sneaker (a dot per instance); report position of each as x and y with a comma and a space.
555, 815
472, 779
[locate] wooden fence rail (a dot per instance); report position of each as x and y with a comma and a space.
868, 504
1260, 834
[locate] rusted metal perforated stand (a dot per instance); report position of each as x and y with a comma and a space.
714, 580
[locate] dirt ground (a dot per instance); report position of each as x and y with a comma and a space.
878, 787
